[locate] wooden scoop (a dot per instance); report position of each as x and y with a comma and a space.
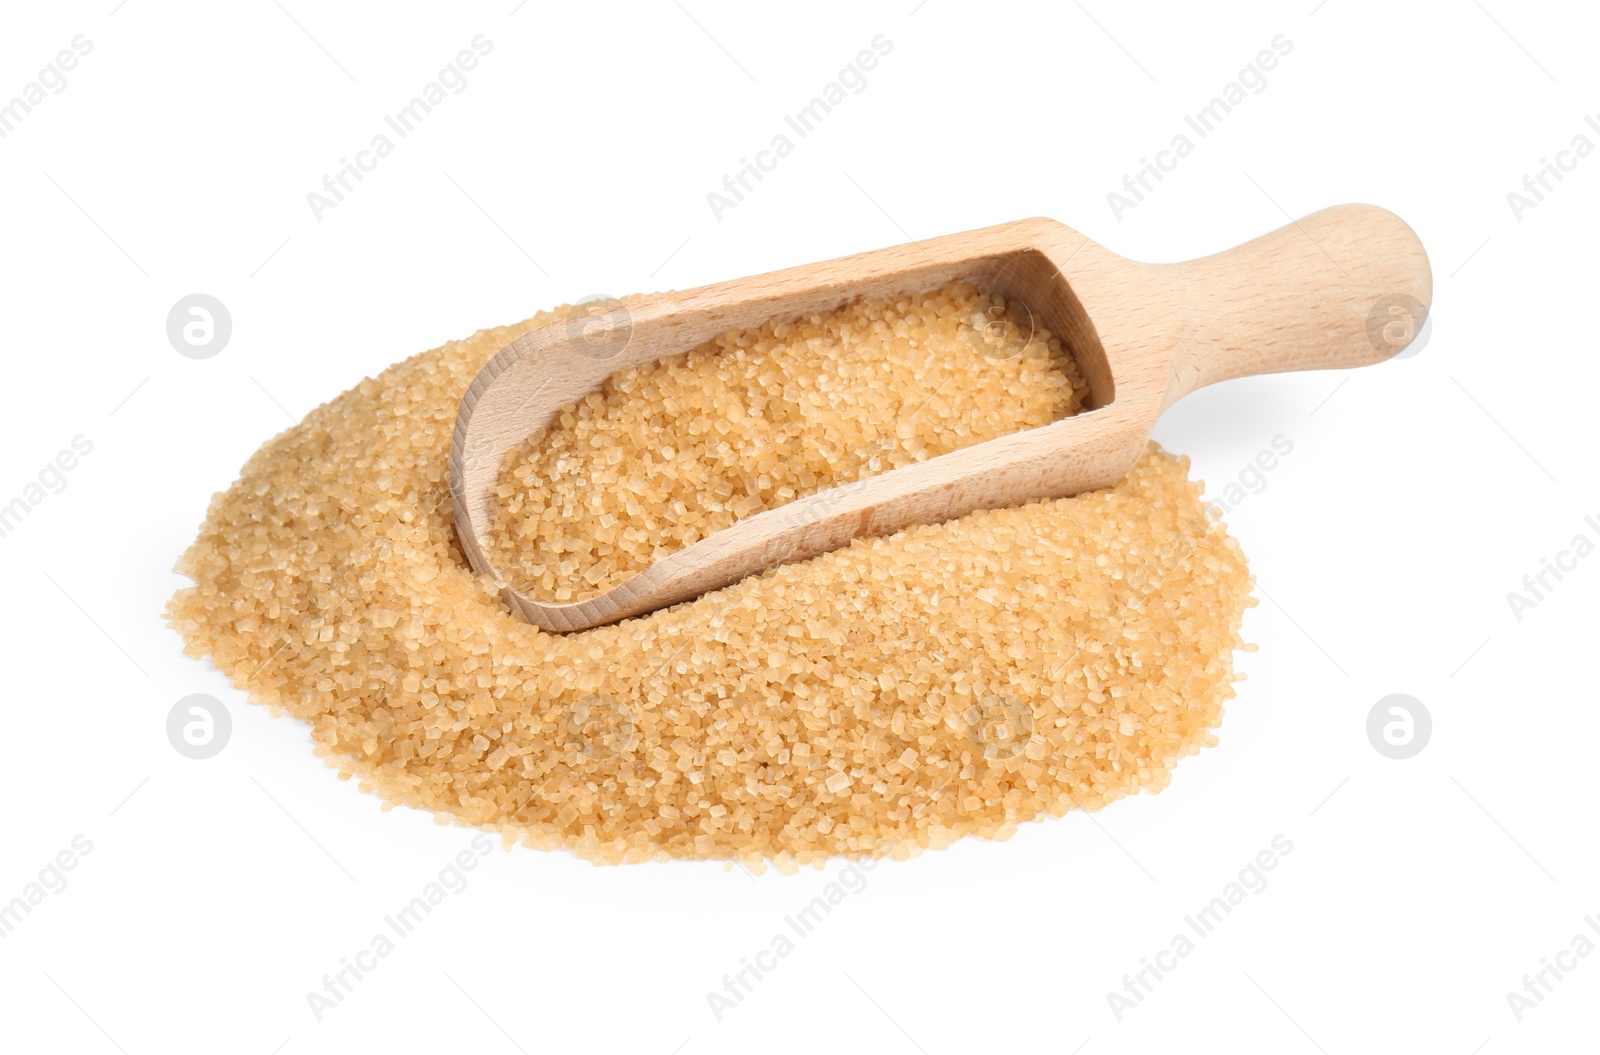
1343, 287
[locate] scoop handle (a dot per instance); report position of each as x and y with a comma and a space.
1347, 286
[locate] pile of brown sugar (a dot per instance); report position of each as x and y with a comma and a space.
895, 695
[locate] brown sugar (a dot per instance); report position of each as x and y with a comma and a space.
953, 679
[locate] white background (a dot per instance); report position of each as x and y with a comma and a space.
578, 159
